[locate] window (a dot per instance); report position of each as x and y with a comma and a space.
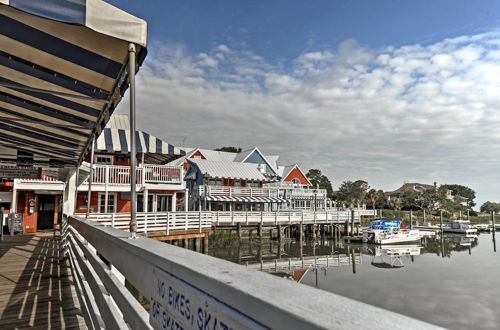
103, 160
295, 181
163, 203
252, 184
111, 203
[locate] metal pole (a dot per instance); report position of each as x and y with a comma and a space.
91, 175
133, 193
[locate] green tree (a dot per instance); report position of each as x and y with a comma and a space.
229, 149
429, 200
318, 180
353, 193
489, 207
461, 191
375, 197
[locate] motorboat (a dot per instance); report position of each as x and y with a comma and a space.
459, 227
389, 231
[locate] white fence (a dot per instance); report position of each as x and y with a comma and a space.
149, 222
278, 191
120, 175
171, 221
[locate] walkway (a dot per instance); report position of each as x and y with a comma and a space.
36, 290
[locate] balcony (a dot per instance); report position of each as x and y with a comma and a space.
271, 191
112, 175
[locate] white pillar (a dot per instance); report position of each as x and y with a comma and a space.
13, 204
69, 192
186, 200
145, 201
174, 202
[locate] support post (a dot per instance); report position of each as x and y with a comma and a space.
91, 174
133, 160
352, 222
106, 178
69, 192
441, 221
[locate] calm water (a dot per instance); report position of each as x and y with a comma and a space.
453, 281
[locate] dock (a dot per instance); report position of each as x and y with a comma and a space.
36, 289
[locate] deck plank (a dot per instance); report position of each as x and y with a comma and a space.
37, 290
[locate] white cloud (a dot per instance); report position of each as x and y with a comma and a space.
426, 113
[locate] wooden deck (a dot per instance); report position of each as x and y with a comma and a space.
36, 290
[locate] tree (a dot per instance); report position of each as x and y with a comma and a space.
429, 200
489, 207
229, 149
353, 193
461, 191
375, 197
318, 180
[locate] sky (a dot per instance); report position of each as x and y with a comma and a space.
385, 91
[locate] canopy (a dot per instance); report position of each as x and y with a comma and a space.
245, 199
63, 70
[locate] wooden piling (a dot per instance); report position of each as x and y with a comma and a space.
352, 222
238, 229
259, 230
441, 221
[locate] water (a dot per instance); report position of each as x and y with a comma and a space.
451, 281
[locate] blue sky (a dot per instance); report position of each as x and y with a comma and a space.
385, 91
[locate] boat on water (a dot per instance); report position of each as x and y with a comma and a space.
459, 227
483, 227
385, 231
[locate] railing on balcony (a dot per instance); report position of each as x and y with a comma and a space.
261, 192
120, 175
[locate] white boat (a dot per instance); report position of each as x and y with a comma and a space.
459, 227
483, 227
379, 236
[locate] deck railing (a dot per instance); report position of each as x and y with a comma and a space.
175, 221
190, 290
281, 192
120, 175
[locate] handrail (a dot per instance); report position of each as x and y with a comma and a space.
146, 173
187, 289
272, 191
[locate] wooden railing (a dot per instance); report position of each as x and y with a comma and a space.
261, 192
120, 175
171, 221
165, 221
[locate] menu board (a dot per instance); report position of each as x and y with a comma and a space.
15, 223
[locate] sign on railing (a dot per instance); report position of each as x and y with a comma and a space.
176, 304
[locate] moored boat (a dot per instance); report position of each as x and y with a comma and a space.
459, 227
389, 232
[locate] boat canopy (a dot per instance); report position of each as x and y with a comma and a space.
63, 71
384, 224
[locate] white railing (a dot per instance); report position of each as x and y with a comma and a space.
171, 221
149, 222
282, 192
120, 175
212, 293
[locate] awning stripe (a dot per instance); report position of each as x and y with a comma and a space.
36, 133
43, 73
57, 47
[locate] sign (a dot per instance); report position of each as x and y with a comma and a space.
15, 172
15, 223
176, 304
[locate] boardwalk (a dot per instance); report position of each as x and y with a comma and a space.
36, 290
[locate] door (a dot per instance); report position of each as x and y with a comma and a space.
163, 203
46, 207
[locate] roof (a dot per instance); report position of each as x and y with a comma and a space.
115, 139
232, 170
243, 156
284, 171
420, 187
63, 71
211, 155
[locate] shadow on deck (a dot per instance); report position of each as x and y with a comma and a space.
37, 291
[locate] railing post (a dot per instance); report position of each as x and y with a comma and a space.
112, 220
289, 216
217, 218
168, 223
261, 216
232, 217
145, 219
246, 217
276, 217
199, 220
143, 175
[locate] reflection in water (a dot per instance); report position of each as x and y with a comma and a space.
436, 280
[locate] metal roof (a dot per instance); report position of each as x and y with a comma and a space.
60, 82
242, 171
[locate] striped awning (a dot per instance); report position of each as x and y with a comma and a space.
245, 199
117, 140
63, 70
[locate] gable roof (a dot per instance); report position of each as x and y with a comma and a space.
232, 170
211, 155
284, 171
243, 156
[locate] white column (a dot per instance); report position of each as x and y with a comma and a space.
145, 201
106, 177
69, 192
186, 200
174, 202
13, 204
